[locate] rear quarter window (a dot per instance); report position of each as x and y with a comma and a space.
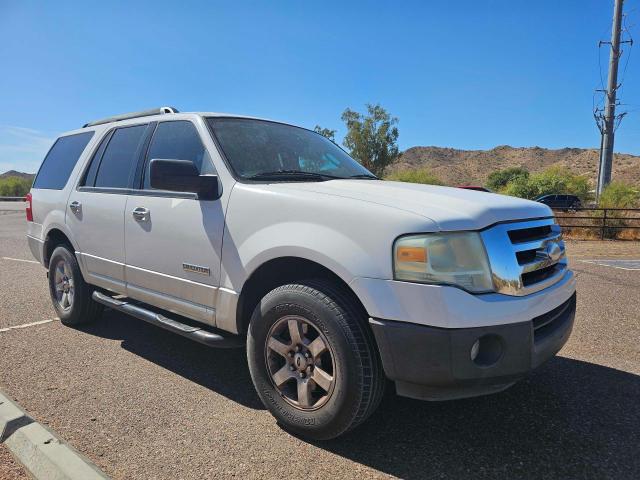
59, 162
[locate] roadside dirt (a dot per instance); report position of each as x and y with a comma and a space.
10, 469
602, 249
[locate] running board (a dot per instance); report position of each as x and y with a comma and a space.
198, 334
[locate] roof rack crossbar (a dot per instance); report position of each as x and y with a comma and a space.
126, 116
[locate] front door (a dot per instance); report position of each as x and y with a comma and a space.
173, 240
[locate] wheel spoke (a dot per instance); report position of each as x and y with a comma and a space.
65, 300
304, 393
67, 270
278, 347
295, 331
59, 286
322, 379
282, 375
317, 347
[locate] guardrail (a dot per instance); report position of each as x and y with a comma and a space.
607, 220
11, 199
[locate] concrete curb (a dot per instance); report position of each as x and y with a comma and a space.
39, 450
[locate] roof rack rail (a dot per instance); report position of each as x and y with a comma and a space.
126, 116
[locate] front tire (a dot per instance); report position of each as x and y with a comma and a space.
70, 294
313, 360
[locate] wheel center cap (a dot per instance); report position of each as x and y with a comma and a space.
300, 361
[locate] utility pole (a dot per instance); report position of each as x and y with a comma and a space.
606, 153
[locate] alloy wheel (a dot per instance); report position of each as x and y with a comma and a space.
300, 362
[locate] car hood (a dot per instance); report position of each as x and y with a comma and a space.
450, 208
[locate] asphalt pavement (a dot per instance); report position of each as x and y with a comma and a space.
143, 403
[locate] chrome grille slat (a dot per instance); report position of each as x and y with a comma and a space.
518, 279
539, 264
536, 244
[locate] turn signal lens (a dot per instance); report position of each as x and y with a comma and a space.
411, 254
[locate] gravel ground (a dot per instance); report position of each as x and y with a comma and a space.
10, 469
143, 403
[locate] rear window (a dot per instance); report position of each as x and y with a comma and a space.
59, 162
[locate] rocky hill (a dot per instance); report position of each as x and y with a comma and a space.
15, 173
458, 167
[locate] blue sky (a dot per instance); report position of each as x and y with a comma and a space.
467, 74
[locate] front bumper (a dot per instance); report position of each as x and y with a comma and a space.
432, 363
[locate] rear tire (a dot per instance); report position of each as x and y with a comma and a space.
331, 379
70, 294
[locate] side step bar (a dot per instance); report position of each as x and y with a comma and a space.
198, 334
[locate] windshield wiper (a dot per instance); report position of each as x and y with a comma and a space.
365, 175
298, 174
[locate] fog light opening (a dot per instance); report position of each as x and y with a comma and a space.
486, 350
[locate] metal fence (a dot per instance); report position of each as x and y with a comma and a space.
11, 199
606, 220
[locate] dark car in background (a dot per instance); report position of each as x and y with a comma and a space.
561, 202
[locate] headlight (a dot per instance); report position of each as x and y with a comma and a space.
456, 258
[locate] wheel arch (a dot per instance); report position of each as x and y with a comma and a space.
54, 238
280, 271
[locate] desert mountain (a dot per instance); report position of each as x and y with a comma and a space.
458, 167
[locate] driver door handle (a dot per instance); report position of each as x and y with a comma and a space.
140, 214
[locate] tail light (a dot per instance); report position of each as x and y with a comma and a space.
29, 209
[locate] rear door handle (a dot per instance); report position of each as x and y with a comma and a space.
75, 207
140, 214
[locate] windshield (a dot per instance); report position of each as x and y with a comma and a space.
259, 150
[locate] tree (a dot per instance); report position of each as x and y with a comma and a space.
500, 178
371, 139
326, 132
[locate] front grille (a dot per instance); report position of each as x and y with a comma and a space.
531, 278
529, 234
546, 324
525, 256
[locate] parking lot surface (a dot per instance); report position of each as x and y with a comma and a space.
144, 403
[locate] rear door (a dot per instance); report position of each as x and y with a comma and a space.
95, 211
173, 247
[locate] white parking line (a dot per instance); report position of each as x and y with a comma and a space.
20, 260
633, 265
26, 325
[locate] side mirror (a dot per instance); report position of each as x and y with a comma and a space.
182, 176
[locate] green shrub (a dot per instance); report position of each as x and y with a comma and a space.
556, 180
500, 178
619, 195
419, 175
14, 187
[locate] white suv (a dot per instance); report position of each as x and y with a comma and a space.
232, 230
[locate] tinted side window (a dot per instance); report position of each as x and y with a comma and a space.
177, 140
90, 177
120, 157
60, 160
